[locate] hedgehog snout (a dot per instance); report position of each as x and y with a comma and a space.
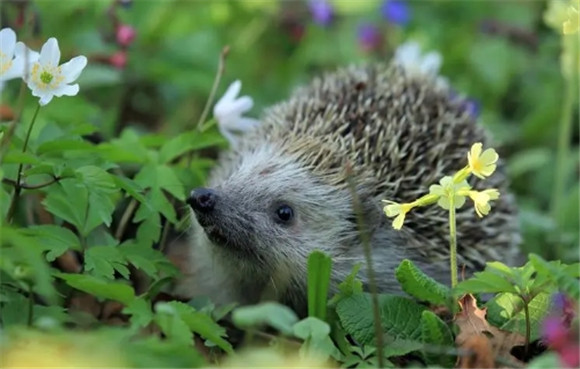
202, 200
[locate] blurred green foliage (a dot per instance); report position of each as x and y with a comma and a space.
118, 202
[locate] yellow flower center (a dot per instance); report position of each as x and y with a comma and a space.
5, 63
46, 77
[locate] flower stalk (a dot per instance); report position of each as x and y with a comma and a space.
451, 193
452, 243
18, 186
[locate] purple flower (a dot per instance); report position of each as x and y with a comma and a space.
554, 332
369, 37
322, 11
396, 11
473, 107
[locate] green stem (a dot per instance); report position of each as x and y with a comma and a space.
452, 242
563, 150
528, 325
30, 304
18, 186
364, 233
5, 143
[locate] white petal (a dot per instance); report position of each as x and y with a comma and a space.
408, 54
50, 53
232, 91
431, 63
7, 42
241, 105
45, 99
16, 70
73, 68
68, 90
21, 51
246, 124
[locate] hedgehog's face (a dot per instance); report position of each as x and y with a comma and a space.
267, 212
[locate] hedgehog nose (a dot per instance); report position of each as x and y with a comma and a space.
202, 200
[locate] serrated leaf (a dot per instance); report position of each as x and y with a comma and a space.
169, 181
273, 314
201, 324
400, 317
98, 287
351, 285
140, 311
131, 187
97, 179
174, 327
146, 258
419, 285
188, 141
559, 274
103, 261
319, 266
56, 240
435, 332
506, 311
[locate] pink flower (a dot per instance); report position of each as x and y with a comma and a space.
118, 59
554, 332
125, 35
570, 355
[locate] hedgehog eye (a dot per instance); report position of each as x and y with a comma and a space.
284, 213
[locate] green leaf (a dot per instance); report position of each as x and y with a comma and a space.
203, 325
400, 317
188, 141
14, 309
350, 286
140, 311
61, 145
486, 282
98, 287
419, 285
103, 261
172, 325
22, 258
269, 313
169, 181
18, 157
435, 332
506, 311
317, 342
146, 258
319, 266
131, 187
57, 240
558, 273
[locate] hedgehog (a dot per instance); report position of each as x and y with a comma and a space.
365, 133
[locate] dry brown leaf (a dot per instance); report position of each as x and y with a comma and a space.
472, 322
482, 353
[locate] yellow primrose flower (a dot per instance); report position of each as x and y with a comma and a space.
481, 200
482, 164
446, 189
397, 210
571, 26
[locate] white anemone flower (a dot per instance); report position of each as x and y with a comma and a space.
410, 57
13, 56
228, 113
47, 79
